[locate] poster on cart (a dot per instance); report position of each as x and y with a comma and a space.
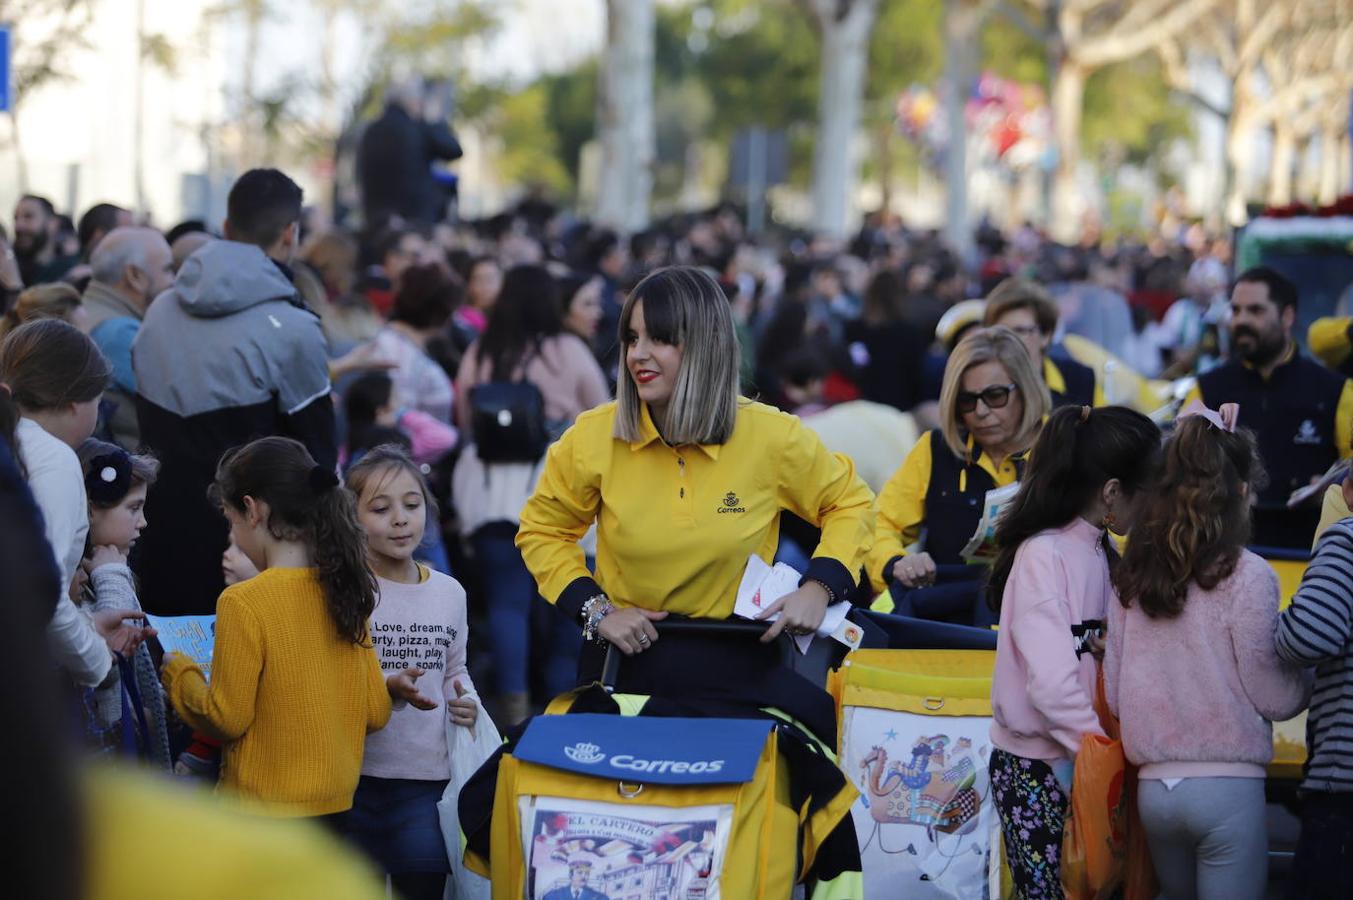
925, 815
603, 851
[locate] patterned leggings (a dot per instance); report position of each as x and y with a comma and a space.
1032, 807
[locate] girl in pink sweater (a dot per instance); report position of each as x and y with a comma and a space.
1051, 585
1191, 668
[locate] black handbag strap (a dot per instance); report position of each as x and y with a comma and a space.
531, 353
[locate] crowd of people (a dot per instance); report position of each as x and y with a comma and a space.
403, 464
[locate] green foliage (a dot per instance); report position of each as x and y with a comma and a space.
906, 48
1129, 113
571, 110
1132, 125
529, 154
761, 65
725, 65
429, 36
1010, 53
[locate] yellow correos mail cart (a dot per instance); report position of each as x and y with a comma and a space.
914, 740
602, 806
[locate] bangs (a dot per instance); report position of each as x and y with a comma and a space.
664, 317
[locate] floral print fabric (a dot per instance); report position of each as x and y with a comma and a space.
1032, 805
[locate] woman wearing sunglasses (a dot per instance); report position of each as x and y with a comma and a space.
991, 406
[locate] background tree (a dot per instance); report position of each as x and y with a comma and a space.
625, 115
844, 28
1087, 36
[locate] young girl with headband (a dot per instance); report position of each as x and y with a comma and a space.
116, 483
1191, 669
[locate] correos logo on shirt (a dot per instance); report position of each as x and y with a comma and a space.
731, 504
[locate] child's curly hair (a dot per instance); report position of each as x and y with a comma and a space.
1196, 521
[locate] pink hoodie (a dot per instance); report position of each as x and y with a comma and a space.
1041, 689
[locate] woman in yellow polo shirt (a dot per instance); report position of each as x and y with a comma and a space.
685, 480
991, 406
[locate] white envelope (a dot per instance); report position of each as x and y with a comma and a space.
762, 585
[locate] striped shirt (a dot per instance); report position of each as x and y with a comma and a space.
1317, 629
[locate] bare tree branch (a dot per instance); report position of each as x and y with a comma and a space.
1117, 46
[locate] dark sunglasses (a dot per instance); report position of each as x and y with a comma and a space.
995, 397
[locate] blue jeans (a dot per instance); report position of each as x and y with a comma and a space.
516, 612
395, 821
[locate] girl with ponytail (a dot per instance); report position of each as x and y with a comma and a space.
1191, 668
293, 728
1087, 474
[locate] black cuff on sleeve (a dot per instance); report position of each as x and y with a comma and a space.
578, 592
832, 574
888, 578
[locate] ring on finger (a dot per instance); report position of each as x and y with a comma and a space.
643, 639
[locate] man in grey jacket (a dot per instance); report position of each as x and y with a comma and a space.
229, 354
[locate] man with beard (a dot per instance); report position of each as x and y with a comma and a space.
1301, 412
35, 227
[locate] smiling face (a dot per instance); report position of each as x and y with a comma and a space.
393, 512
652, 364
993, 429
121, 525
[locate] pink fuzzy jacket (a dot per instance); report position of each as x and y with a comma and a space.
1044, 679
1195, 694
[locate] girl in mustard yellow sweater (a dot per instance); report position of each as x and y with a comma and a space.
295, 685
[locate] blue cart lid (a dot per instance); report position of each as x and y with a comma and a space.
647, 749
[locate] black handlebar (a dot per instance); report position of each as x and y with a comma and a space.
713, 628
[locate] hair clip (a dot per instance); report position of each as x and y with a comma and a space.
109, 478
322, 480
1223, 418
1085, 414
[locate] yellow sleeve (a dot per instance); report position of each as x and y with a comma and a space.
823, 488
1332, 509
564, 505
223, 709
1343, 422
1100, 399
1328, 340
377, 694
901, 511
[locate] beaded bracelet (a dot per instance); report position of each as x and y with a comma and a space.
594, 610
831, 594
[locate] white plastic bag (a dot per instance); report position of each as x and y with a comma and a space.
469, 748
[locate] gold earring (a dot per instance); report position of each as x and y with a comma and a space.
1109, 521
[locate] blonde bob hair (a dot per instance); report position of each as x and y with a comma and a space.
1001, 345
44, 301
685, 307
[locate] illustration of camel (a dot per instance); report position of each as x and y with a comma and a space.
923, 791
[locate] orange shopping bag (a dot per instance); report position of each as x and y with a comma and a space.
1095, 841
